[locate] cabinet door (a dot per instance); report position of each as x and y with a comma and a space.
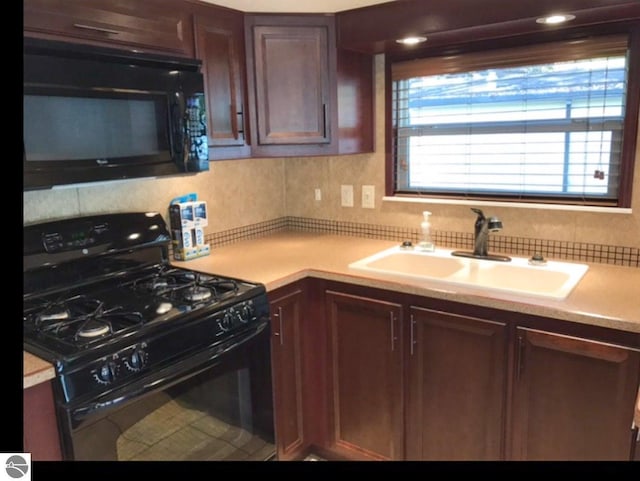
573, 398
286, 351
40, 428
291, 73
155, 25
457, 387
220, 46
366, 376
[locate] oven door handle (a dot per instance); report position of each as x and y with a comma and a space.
167, 376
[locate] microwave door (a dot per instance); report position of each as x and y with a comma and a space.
176, 125
95, 114
76, 136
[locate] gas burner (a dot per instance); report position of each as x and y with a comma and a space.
155, 285
54, 313
158, 283
81, 319
93, 328
196, 293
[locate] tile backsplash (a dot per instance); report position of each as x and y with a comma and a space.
517, 246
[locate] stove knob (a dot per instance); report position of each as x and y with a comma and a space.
107, 373
247, 313
227, 320
137, 360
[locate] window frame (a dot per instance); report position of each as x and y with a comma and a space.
632, 112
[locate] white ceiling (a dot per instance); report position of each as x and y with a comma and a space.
295, 6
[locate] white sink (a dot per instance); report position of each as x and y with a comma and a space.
553, 280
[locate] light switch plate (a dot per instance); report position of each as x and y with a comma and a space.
317, 194
368, 196
346, 195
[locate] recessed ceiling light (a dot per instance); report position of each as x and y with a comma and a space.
555, 19
411, 40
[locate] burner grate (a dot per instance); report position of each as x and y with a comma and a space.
81, 319
187, 286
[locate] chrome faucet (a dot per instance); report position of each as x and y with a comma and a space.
482, 227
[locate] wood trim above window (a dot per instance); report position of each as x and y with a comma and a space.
512, 57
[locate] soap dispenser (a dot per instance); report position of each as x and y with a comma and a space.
426, 243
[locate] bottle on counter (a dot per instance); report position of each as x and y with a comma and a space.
426, 242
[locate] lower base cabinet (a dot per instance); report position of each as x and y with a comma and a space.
573, 398
365, 345
286, 307
456, 387
383, 375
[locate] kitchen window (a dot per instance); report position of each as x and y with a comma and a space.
549, 123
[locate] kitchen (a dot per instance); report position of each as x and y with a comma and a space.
249, 197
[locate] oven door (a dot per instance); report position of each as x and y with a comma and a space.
215, 405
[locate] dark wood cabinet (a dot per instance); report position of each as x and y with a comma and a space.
365, 376
40, 428
426, 379
305, 96
219, 43
286, 307
152, 25
292, 66
276, 85
573, 398
355, 102
456, 387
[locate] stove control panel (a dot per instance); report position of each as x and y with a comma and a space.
236, 316
74, 239
165, 346
129, 360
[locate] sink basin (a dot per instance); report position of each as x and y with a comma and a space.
553, 280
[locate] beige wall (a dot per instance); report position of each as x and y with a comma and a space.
237, 192
243, 192
303, 175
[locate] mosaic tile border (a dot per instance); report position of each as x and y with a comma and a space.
521, 246
253, 231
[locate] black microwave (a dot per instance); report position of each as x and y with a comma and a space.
95, 114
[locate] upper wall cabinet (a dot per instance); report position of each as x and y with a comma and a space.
153, 25
292, 67
301, 98
219, 43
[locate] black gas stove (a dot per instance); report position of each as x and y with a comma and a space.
105, 306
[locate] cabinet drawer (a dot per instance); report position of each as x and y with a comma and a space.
151, 24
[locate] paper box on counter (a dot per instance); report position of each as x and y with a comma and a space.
186, 254
182, 239
199, 236
203, 250
200, 213
181, 215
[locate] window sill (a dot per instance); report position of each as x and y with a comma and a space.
516, 205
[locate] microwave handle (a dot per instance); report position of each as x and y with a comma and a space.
177, 112
168, 376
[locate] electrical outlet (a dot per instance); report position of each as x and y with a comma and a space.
368, 196
346, 195
317, 194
